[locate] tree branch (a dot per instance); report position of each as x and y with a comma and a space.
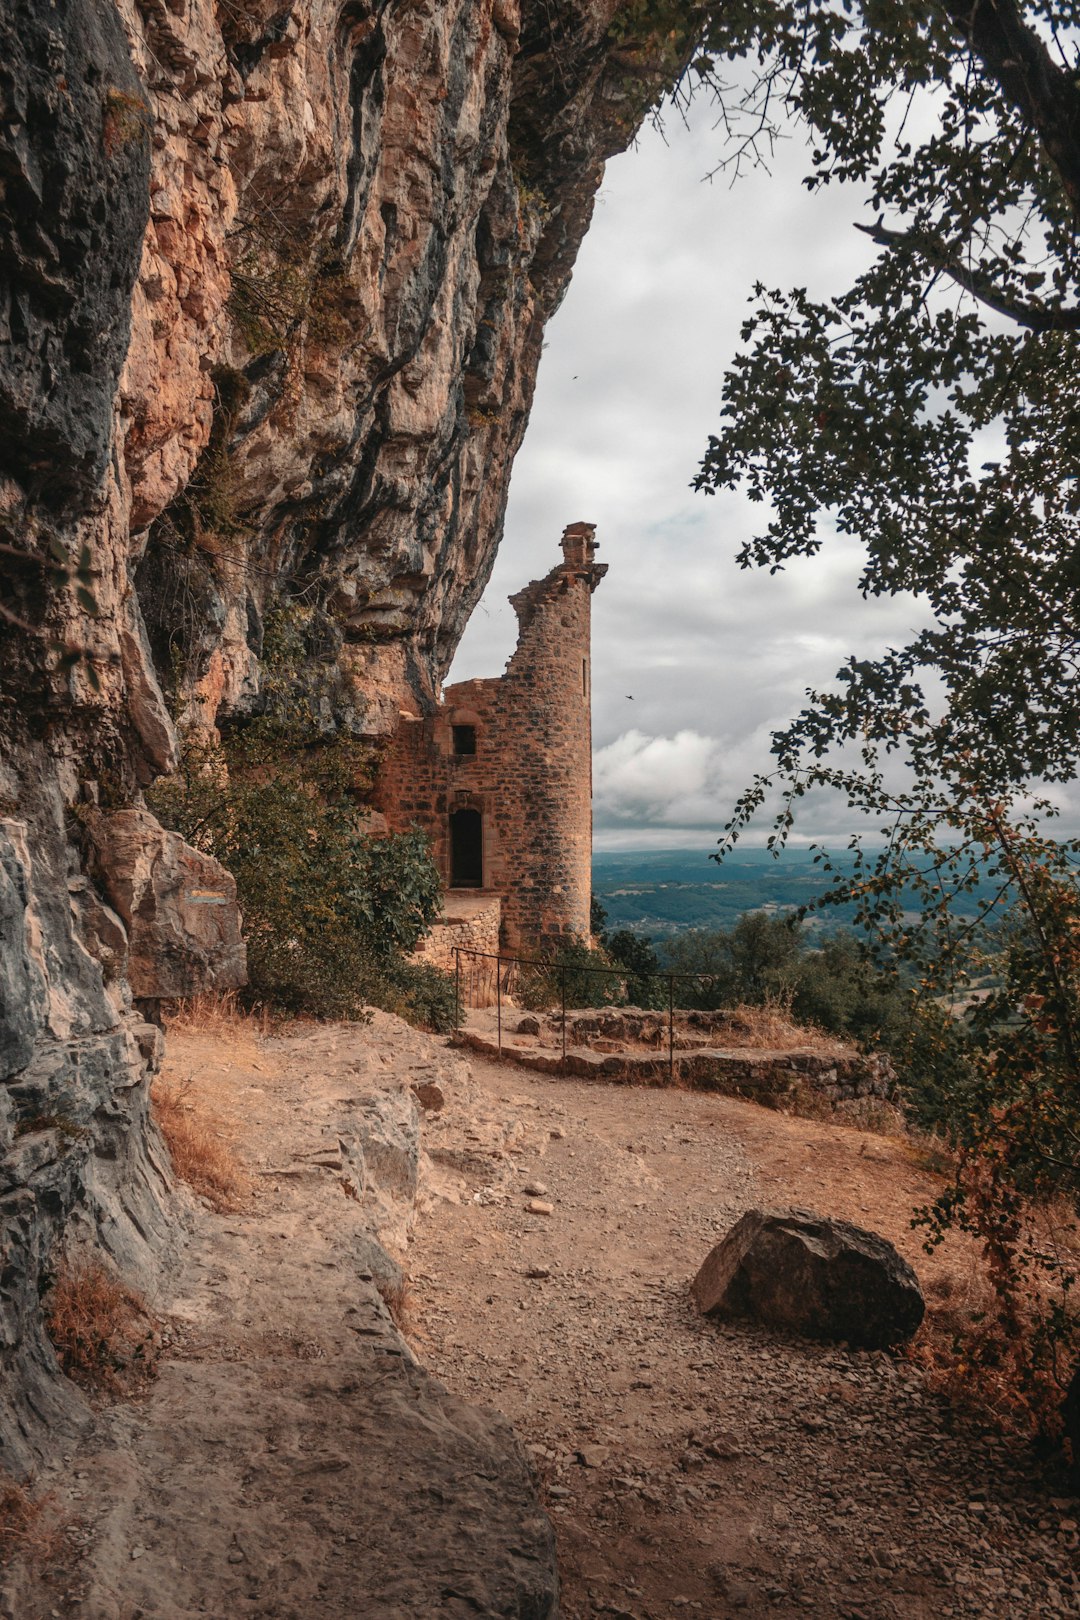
1044, 94
1033, 316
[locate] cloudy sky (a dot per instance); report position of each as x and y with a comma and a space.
694, 660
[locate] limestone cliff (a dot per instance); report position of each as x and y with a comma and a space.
273, 282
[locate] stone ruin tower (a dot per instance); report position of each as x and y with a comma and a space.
500, 776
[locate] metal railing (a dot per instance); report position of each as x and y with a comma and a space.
506, 979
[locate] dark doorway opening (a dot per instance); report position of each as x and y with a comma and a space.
466, 850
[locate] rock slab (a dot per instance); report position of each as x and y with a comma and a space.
178, 906
823, 1278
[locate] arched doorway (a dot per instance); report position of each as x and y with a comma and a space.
466, 849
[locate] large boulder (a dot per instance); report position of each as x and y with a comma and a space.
823, 1278
177, 904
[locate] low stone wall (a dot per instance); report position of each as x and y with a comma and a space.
471, 921
630, 1046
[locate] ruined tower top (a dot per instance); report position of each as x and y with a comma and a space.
578, 544
579, 550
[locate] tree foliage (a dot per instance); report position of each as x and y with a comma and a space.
330, 912
633, 956
834, 985
991, 1063
932, 411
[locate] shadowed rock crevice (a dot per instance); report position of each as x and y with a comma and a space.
75, 165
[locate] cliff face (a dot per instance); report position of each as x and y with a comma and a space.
342, 411
273, 282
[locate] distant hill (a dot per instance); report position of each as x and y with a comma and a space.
659, 892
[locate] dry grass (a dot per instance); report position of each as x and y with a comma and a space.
771, 1027
875, 1115
397, 1297
217, 1012
982, 1361
983, 1371
200, 1154
24, 1531
102, 1331
929, 1153
18, 1517
956, 1299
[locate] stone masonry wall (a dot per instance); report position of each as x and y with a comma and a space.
474, 927
630, 1045
531, 775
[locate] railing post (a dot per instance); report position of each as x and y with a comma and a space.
498, 996
671, 1029
562, 998
457, 986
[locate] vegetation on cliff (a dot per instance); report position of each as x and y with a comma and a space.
331, 912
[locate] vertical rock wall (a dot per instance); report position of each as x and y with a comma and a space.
273, 282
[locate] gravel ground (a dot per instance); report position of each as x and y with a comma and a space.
703, 1469
289, 1461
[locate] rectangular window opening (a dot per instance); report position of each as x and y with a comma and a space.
464, 739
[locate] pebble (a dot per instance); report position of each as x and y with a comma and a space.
534, 1189
539, 1206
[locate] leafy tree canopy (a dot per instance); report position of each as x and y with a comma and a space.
331, 913
932, 409
765, 958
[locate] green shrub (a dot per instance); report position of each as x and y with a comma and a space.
283, 289
426, 996
330, 912
644, 984
835, 985
570, 969
838, 987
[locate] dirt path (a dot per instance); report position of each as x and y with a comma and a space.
691, 1468
291, 1460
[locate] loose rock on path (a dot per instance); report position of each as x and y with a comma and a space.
721, 1470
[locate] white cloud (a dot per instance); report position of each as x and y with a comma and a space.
657, 792
649, 779
695, 661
